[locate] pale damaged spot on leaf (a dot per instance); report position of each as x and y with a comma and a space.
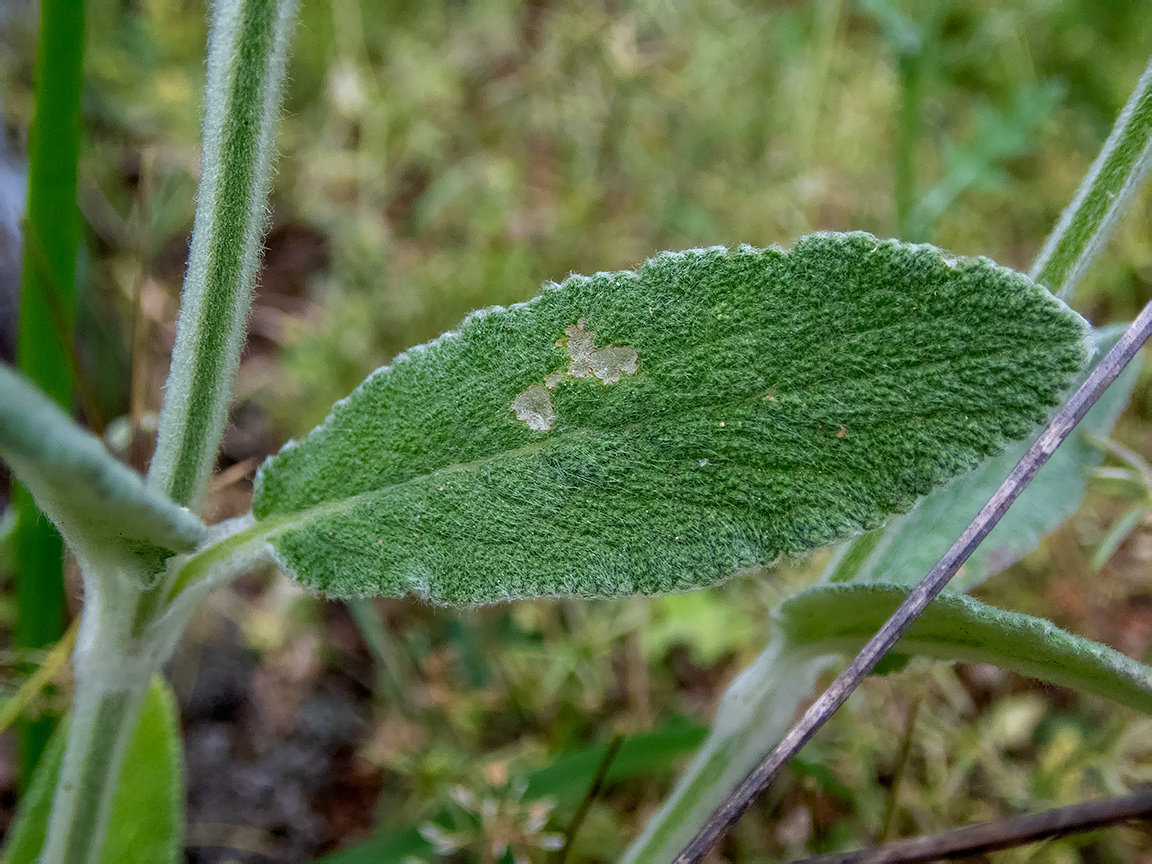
580, 343
534, 406
607, 364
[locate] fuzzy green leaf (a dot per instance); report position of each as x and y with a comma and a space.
662, 429
841, 618
101, 506
147, 822
907, 548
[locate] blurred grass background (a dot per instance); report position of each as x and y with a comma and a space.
444, 155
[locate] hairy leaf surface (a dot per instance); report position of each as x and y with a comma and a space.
661, 429
912, 543
842, 618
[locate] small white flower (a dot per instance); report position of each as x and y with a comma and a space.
551, 842
463, 796
443, 842
488, 811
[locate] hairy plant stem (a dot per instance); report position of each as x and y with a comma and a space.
119, 648
910, 67
1104, 192
100, 727
127, 631
247, 53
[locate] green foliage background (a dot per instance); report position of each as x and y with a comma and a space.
440, 156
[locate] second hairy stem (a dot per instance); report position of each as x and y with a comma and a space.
246, 62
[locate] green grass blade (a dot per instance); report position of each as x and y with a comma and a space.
8, 523
48, 312
247, 56
1125, 525
387, 652
52, 226
662, 429
1103, 194
906, 39
39, 609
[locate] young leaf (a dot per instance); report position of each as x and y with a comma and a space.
662, 429
8, 523
912, 543
95, 501
758, 707
841, 618
147, 823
